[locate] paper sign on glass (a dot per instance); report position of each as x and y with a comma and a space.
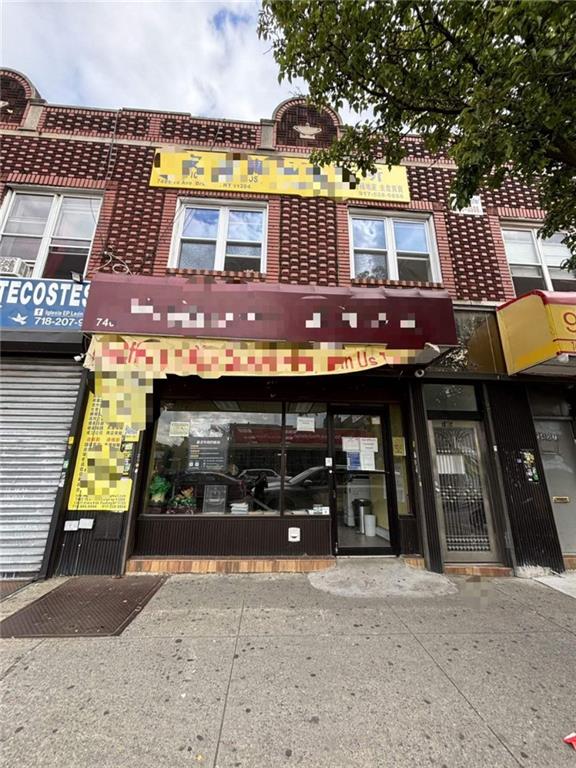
353, 460
367, 460
305, 424
350, 444
179, 429
71, 525
398, 446
369, 444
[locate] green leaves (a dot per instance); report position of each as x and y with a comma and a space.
492, 80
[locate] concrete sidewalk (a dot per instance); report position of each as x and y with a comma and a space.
266, 671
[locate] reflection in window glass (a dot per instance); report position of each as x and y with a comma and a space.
306, 488
218, 459
399, 452
450, 397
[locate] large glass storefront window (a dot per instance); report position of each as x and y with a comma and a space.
216, 458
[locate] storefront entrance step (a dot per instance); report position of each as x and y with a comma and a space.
570, 562
228, 564
415, 561
476, 569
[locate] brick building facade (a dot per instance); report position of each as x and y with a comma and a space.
456, 504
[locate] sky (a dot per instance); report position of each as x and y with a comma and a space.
192, 56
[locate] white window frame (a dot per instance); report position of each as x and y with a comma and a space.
537, 242
57, 194
389, 219
224, 207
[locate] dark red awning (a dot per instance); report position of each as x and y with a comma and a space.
177, 306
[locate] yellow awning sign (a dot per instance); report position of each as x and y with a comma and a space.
539, 329
274, 174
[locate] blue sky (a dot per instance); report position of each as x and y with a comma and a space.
179, 55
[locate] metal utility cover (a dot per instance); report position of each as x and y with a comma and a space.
86, 606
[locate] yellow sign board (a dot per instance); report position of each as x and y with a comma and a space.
536, 329
274, 174
102, 480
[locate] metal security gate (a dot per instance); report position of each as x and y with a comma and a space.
37, 402
462, 493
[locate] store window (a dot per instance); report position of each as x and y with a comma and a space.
220, 237
536, 263
216, 458
52, 233
391, 248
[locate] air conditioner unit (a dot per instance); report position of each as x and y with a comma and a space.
14, 267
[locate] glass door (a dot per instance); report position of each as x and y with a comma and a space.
459, 463
364, 507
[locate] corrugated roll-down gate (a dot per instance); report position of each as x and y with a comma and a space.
37, 402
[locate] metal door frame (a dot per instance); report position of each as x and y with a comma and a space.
383, 412
459, 556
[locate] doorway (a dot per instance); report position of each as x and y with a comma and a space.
558, 452
461, 489
364, 495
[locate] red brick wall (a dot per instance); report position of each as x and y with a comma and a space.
308, 239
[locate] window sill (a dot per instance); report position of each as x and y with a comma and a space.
372, 281
227, 274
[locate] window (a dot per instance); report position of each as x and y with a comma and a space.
52, 233
536, 263
388, 248
220, 237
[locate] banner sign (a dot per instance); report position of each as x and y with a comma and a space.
117, 356
273, 174
175, 306
42, 305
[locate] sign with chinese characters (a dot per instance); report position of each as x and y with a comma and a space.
274, 174
42, 305
175, 306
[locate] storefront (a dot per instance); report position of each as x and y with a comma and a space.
548, 356
269, 422
41, 397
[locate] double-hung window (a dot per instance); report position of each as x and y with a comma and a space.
51, 232
220, 237
393, 248
536, 263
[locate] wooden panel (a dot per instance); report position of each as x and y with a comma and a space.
228, 565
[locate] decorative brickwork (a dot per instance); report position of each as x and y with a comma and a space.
77, 121
56, 158
474, 258
298, 113
430, 184
225, 276
14, 92
513, 194
209, 132
308, 250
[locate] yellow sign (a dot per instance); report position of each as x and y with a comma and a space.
273, 174
536, 329
102, 479
211, 358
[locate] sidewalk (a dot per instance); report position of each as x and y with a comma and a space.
268, 670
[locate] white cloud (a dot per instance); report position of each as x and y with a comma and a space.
191, 56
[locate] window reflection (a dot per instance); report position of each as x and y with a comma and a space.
215, 460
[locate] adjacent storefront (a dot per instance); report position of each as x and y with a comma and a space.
40, 385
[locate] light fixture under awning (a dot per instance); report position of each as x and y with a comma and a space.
538, 333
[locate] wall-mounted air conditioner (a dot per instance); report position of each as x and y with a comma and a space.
14, 267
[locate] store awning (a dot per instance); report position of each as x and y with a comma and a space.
399, 319
539, 333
